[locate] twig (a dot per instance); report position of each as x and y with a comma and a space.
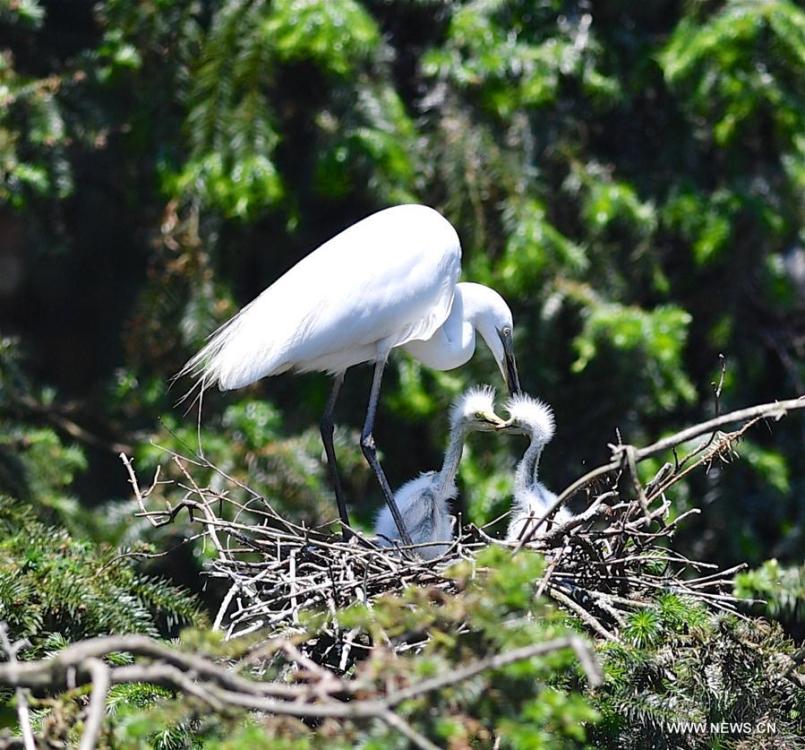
135, 486
11, 650
97, 703
405, 729
549, 572
585, 616
589, 663
774, 410
630, 457
205, 509
227, 600
717, 388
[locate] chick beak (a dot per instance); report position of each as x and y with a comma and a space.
493, 422
511, 426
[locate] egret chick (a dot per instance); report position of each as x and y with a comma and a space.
424, 501
531, 498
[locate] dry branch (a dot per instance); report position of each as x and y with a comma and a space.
11, 649
218, 687
775, 410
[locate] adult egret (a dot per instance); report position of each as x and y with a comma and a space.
388, 281
423, 502
531, 498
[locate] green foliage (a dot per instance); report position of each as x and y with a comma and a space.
33, 163
233, 128
497, 52
53, 585
27, 12
704, 221
737, 65
230, 121
678, 663
374, 139
660, 334
643, 629
781, 588
36, 465
334, 34
534, 246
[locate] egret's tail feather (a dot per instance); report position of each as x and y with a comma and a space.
202, 368
197, 393
223, 359
240, 352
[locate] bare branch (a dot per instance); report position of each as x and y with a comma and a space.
11, 650
775, 410
217, 687
97, 703
404, 728
583, 614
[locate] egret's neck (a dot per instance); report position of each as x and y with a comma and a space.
452, 458
453, 344
526, 476
476, 308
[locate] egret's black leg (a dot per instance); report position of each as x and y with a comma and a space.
370, 451
327, 426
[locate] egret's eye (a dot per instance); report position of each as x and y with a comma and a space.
479, 415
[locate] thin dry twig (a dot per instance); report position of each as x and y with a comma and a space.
585, 616
99, 673
405, 729
11, 649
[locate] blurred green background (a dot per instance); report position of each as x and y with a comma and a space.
630, 176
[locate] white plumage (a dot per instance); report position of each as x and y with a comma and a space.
378, 284
425, 513
533, 417
532, 499
424, 501
388, 281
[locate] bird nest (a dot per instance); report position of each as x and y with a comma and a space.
604, 563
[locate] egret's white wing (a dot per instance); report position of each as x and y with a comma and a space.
389, 278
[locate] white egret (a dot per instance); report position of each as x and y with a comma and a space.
424, 502
388, 281
531, 498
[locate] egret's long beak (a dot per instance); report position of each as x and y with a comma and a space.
510, 364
